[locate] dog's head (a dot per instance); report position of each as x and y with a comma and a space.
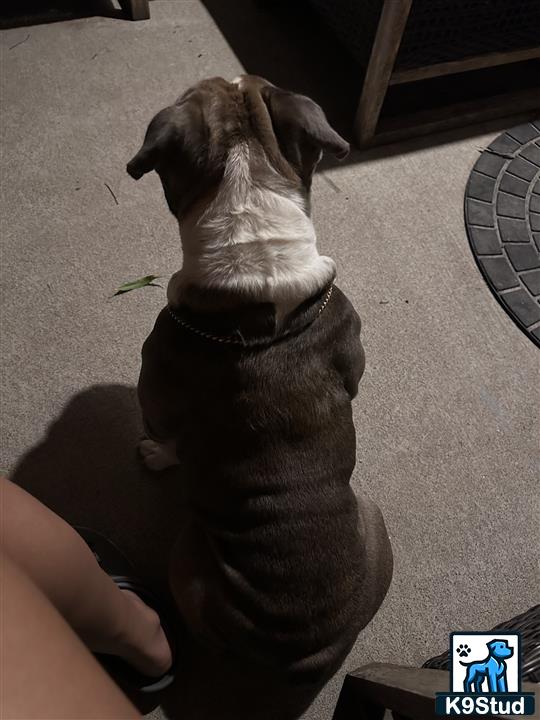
500, 649
188, 143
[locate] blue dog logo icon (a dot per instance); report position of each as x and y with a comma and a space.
493, 669
485, 676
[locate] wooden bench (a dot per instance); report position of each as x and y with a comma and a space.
382, 73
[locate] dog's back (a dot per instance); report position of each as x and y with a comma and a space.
267, 445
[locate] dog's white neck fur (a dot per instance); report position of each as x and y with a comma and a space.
255, 237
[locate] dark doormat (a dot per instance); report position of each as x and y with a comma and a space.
502, 216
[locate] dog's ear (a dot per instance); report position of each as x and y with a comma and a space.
143, 162
175, 147
302, 130
170, 133
156, 140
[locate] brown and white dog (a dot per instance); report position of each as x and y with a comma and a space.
247, 381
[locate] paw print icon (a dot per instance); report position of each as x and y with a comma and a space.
463, 650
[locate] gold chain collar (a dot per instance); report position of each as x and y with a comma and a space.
237, 339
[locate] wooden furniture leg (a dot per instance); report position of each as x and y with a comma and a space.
381, 63
352, 706
136, 9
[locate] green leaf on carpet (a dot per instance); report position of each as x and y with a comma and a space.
146, 281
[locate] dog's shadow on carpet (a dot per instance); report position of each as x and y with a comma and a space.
86, 469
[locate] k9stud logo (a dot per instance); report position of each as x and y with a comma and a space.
485, 677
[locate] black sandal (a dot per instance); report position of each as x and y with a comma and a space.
120, 570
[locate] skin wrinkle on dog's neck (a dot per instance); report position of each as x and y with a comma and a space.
254, 238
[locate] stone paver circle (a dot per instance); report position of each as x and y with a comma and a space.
502, 216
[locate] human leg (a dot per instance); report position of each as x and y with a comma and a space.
59, 562
46, 673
